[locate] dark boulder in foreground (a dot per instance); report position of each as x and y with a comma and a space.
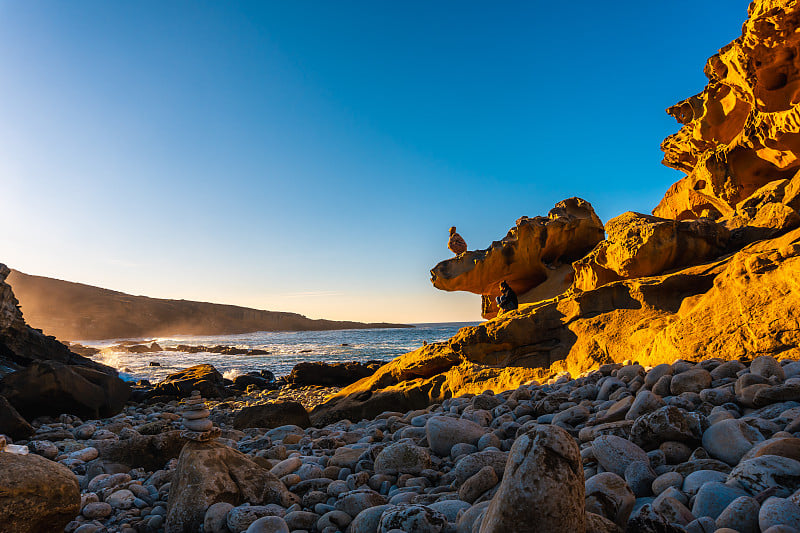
331, 374
36, 494
51, 388
141, 451
272, 415
204, 378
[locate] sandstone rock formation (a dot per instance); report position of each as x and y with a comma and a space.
743, 131
535, 253
715, 273
74, 311
640, 245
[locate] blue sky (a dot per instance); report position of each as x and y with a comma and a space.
310, 156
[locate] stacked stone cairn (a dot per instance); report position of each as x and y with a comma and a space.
196, 423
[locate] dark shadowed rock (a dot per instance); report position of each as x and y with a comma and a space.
11, 423
51, 388
204, 378
272, 415
331, 374
150, 452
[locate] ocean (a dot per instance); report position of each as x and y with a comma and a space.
287, 348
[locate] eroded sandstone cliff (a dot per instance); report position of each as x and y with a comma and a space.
714, 273
534, 257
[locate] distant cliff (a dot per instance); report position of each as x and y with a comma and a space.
74, 311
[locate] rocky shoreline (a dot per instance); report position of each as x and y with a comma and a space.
677, 447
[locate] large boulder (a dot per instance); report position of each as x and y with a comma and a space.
529, 256
36, 494
272, 415
204, 378
209, 473
543, 487
150, 452
52, 388
642, 245
330, 374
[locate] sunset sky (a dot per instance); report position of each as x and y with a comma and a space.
311, 156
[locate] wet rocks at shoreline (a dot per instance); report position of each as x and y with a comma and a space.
625, 455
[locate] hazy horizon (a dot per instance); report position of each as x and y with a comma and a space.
310, 157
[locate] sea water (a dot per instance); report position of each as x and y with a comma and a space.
287, 348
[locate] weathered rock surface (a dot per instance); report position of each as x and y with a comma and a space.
640, 245
745, 303
209, 473
542, 488
36, 494
528, 256
740, 133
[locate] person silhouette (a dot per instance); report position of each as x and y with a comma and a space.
507, 301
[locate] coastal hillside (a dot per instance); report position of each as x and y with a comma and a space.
714, 272
74, 311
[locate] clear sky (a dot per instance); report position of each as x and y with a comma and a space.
310, 156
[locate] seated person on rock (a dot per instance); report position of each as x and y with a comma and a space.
507, 301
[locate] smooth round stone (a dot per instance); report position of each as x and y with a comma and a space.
483, 480
714, 497
85, 455
784, 446
468, 466
673, 492
450, 508
608, 495
122, 499
334, 519
766, 367
673, 510
615, 453
443, 432
268, 524
462, 449
310, 471
697, 479
644, 402
286, 467
717, 396
367, 520
693, 380
402, 458
639, 477
741, 514
656, 373
202, 424
355, 501
665, 480
760, 473
196, 414
155, 522
675, 452
300, 520
779, 512
85, 431
97, 510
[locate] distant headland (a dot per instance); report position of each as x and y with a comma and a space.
74, 311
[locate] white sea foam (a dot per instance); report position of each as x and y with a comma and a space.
284, 350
